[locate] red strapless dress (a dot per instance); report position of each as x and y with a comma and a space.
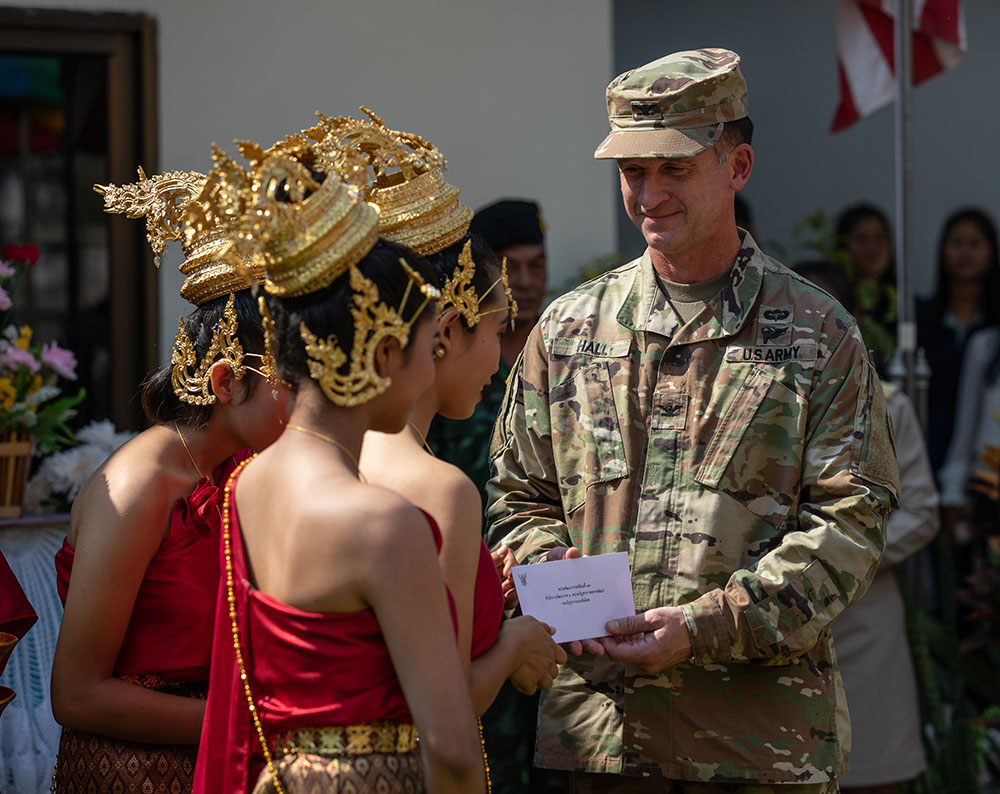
167, 646
487, 604
169, 635
306, 669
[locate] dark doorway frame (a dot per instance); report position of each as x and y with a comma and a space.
128, 41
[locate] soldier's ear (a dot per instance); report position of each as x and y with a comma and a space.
740, 164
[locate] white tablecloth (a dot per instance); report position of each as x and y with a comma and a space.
29, 736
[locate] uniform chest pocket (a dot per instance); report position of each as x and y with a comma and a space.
587, 439
755, 454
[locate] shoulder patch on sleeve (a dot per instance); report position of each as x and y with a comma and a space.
877, 460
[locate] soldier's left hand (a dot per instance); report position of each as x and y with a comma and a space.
654, 640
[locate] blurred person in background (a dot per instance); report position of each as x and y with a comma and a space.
966, 299
865, 237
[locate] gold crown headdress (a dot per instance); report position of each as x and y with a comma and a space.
283, 216
306, 231
402, 174
458, 292
165, 200
373, 322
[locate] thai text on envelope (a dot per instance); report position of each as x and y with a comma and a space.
576, 596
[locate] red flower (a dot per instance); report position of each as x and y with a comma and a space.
26, 254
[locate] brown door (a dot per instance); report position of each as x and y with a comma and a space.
78, 107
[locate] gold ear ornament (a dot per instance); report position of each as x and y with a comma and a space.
373, 322
268, 361
511, 303
192, 381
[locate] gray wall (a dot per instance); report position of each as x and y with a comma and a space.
510, 91
789, 59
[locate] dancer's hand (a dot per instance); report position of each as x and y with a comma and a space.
538, 656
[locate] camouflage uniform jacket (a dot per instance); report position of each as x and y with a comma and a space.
745, 462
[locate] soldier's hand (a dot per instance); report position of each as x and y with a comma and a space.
654, 640
538, 657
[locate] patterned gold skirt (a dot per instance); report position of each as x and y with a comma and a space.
357, 759
310, 773
89, 763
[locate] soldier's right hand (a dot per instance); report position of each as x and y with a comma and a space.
538, 657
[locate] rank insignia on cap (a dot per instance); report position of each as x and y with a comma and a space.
641, 109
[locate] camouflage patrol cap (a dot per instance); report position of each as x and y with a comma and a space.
674, 106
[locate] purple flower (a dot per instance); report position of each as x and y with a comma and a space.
5, 301
13, 357
6, 269
59, 360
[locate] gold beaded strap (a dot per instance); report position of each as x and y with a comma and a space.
231, 596
486, 760
372, 737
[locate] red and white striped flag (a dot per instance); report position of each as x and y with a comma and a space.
865, 50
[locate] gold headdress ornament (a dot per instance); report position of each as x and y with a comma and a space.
306, 231
195, 387
167, 201
283, 216
458, 292
373, 322
402, 174
161, 199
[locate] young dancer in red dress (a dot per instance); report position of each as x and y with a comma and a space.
335, 638
138, 571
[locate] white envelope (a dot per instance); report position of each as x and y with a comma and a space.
577, 596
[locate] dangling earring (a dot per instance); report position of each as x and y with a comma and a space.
439, 350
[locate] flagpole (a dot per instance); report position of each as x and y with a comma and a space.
905, 365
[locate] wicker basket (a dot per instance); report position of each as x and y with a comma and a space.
15, 460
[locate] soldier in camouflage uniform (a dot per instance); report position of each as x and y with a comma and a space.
717, 417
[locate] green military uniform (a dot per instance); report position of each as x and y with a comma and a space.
744, 461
